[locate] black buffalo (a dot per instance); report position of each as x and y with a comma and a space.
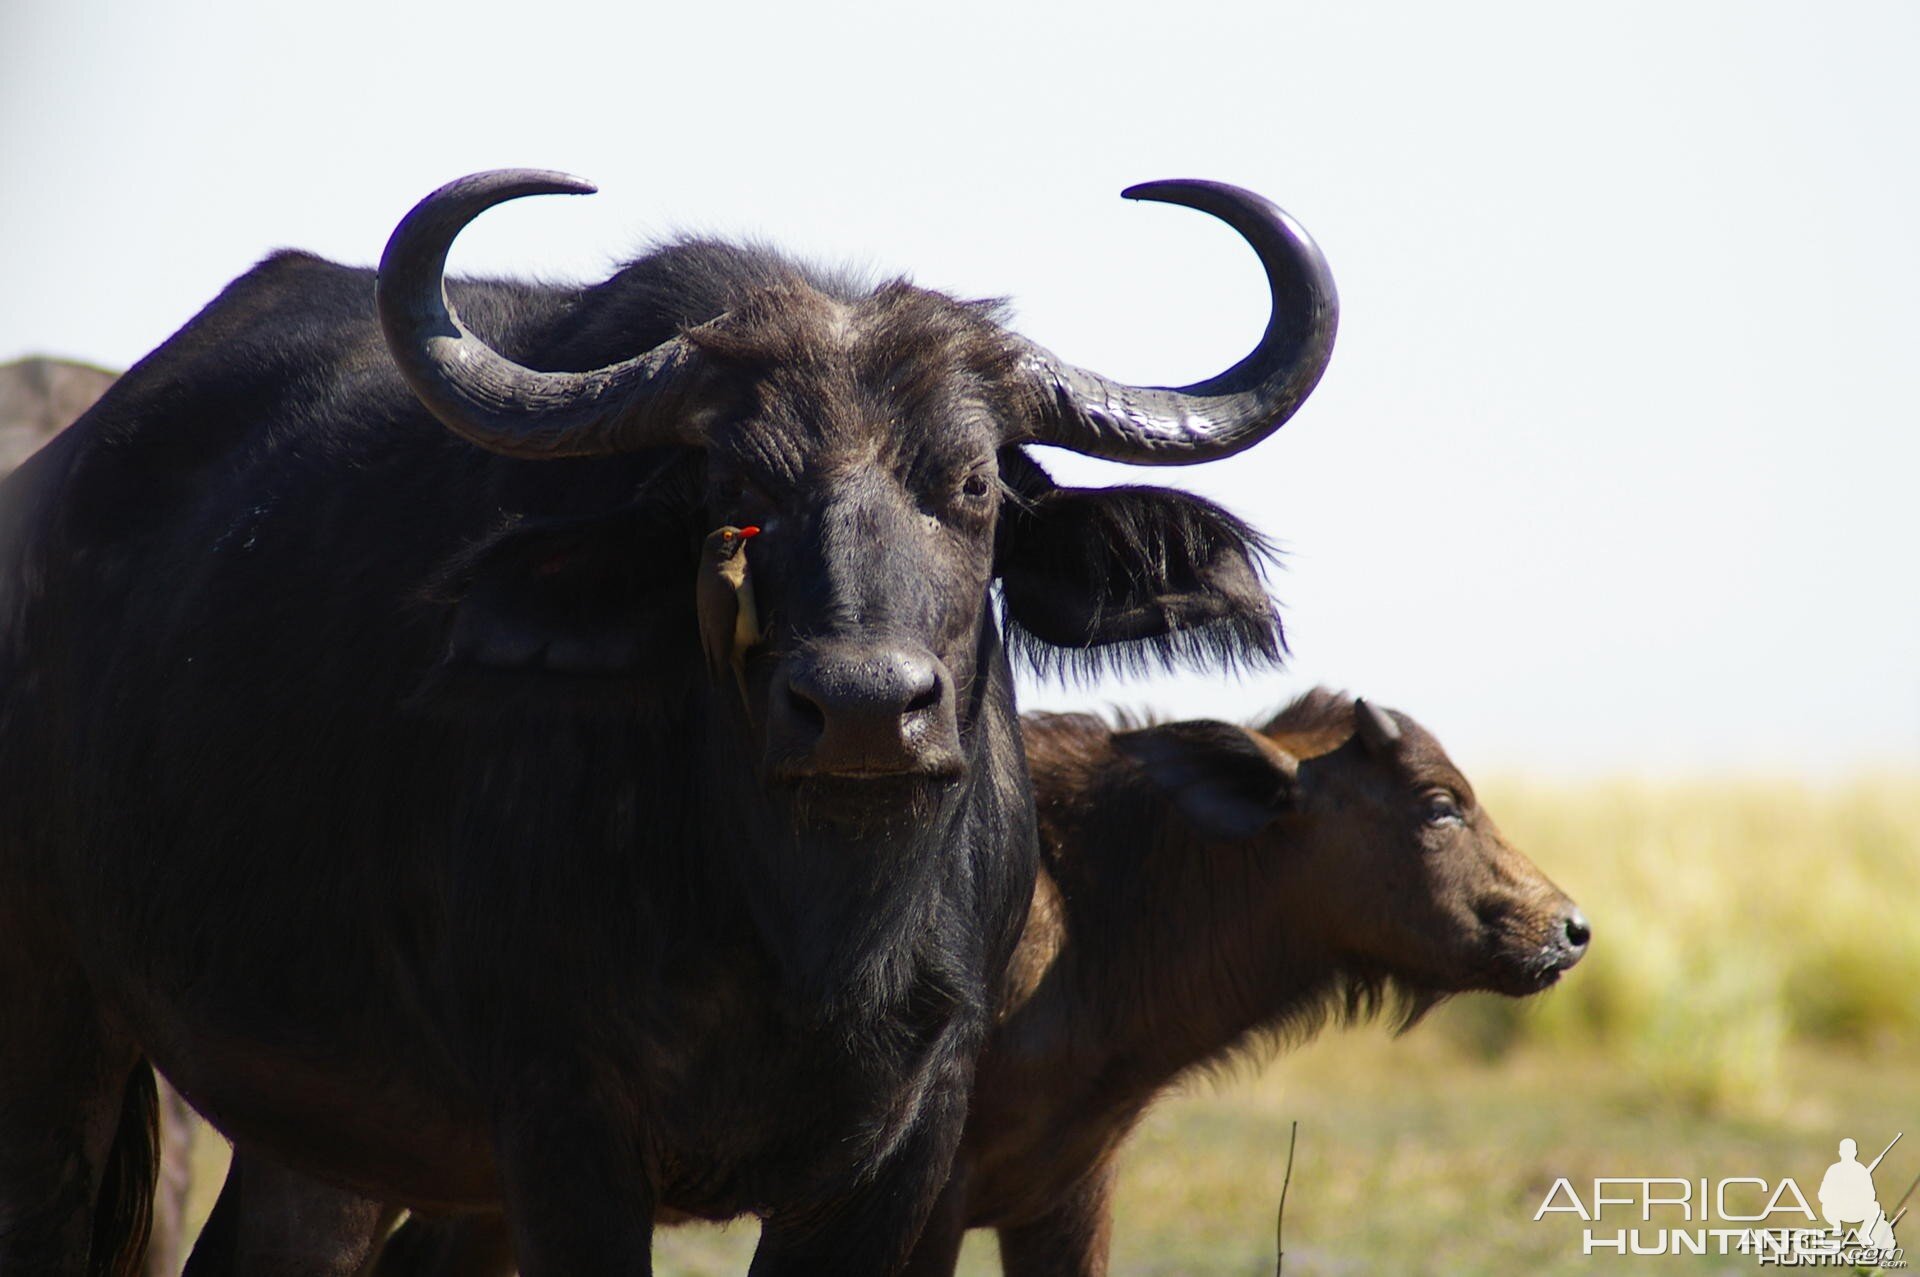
359, 765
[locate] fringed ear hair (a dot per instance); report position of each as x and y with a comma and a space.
1134, 578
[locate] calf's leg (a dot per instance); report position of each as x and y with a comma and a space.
1070, 1240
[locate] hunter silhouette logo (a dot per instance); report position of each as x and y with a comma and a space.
1772, 1221
1847, 1197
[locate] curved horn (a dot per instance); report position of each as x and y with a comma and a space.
1375, 727
1157, 425
486, 398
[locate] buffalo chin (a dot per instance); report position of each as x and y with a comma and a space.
890, 804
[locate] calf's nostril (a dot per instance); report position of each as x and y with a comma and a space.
1577, 931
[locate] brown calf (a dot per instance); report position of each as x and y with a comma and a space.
1202, 883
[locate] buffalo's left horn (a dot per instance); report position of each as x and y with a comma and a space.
488, 399
1157, 425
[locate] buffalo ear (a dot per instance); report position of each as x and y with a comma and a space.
1133, 577
1228, 781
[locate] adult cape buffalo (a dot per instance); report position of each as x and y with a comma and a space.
360, 768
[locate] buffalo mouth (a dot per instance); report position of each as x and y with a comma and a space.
893, 804
870, 779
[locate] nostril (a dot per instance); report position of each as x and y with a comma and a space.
1577, 931
806, 710
857, 710
927, 699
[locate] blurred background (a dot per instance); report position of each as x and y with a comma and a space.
1611, 481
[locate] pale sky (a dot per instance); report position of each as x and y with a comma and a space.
1615, 465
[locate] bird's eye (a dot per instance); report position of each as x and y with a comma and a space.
1441, 808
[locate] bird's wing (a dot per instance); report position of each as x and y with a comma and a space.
715, 606
746, 622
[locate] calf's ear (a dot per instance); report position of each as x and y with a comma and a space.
1133, 577
1227, 781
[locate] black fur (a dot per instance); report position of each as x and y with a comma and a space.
376, 784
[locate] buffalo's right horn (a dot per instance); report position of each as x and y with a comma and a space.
1158, 425
483, 396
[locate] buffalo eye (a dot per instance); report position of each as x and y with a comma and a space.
1439, 807
969, 499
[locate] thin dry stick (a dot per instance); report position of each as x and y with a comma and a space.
1280, 1216
1900, 1205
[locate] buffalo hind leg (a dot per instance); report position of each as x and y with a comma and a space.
448, 1246
1071, 1240
273, 1222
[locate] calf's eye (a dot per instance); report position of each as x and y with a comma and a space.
975, 486
1441, 808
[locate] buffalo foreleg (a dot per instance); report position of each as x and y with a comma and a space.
872, 1231
579, 1195
937, 1253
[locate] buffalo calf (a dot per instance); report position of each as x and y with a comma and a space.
1333, 862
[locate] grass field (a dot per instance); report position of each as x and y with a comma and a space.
1752, 996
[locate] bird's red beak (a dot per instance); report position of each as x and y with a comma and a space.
749, 532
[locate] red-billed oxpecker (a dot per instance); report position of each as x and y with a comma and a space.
729, 622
